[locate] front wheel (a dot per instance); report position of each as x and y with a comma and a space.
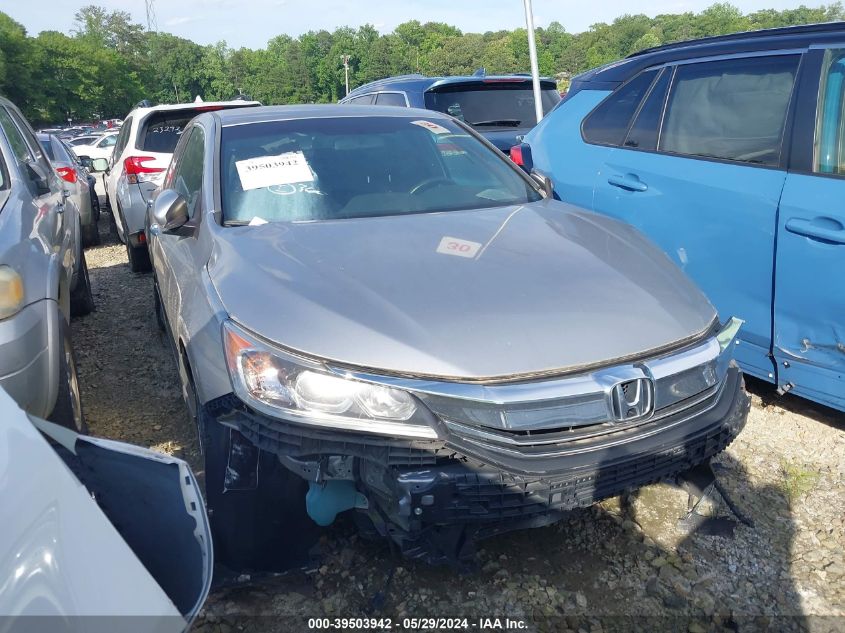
261, 529
91, 234
139, 258
81, 297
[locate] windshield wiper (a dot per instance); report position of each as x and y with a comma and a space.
499, 122
236, 223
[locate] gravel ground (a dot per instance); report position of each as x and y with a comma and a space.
620, 559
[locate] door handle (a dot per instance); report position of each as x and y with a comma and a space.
629, 181
809, 228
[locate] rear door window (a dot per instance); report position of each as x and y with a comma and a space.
732, 109
391, 99
608, 123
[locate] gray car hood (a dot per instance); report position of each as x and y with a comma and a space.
539, 288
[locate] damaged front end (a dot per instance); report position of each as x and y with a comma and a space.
449, 463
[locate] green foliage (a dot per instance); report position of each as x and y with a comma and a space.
109, 63
796, 481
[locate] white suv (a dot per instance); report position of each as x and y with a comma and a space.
141, 155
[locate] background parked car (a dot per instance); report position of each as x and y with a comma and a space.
43, 277
100, 147
144, 147
412, 330
728, 153
87, 139
82, 539
501, 108
78, 182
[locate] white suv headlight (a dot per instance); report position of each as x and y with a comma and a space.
304, 391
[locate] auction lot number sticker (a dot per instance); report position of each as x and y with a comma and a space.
418, 624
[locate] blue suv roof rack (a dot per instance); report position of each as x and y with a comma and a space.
802, 29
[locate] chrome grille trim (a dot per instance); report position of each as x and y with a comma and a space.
504, 437
612, 438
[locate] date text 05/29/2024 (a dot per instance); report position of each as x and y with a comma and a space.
417, 624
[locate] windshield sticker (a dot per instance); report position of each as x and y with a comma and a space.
458, 247
431, 127
267, 171
163, 128
450, 149
290, 189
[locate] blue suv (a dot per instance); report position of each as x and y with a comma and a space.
728, 152
501, 108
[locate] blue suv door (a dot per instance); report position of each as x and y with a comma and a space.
809, 333
700, 172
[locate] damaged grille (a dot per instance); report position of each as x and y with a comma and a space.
492, 495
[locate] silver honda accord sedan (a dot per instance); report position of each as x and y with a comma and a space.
375, 312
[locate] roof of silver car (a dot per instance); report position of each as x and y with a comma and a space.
281, 113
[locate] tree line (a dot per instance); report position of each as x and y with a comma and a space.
107, 63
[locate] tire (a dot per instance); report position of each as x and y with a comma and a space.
139, 258
95, 206
90, 235
265, 529
159, 309
81, 297
68, 409
113, 232
113, 228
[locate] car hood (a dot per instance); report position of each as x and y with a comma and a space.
483, 294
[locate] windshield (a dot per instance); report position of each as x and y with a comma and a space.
331, 168
492, 104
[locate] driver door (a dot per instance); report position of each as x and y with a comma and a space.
172, 253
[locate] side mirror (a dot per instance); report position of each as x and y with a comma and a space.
87, 162
98, 165
170, 210
545, 183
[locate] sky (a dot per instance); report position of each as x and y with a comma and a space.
252, 23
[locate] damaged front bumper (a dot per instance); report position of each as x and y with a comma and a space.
508, 465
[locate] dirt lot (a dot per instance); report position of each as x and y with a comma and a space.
624, 557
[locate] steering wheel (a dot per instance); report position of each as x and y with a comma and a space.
428, 183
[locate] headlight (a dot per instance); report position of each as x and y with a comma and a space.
11, 292
305, 391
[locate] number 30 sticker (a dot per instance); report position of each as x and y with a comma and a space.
458, 247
